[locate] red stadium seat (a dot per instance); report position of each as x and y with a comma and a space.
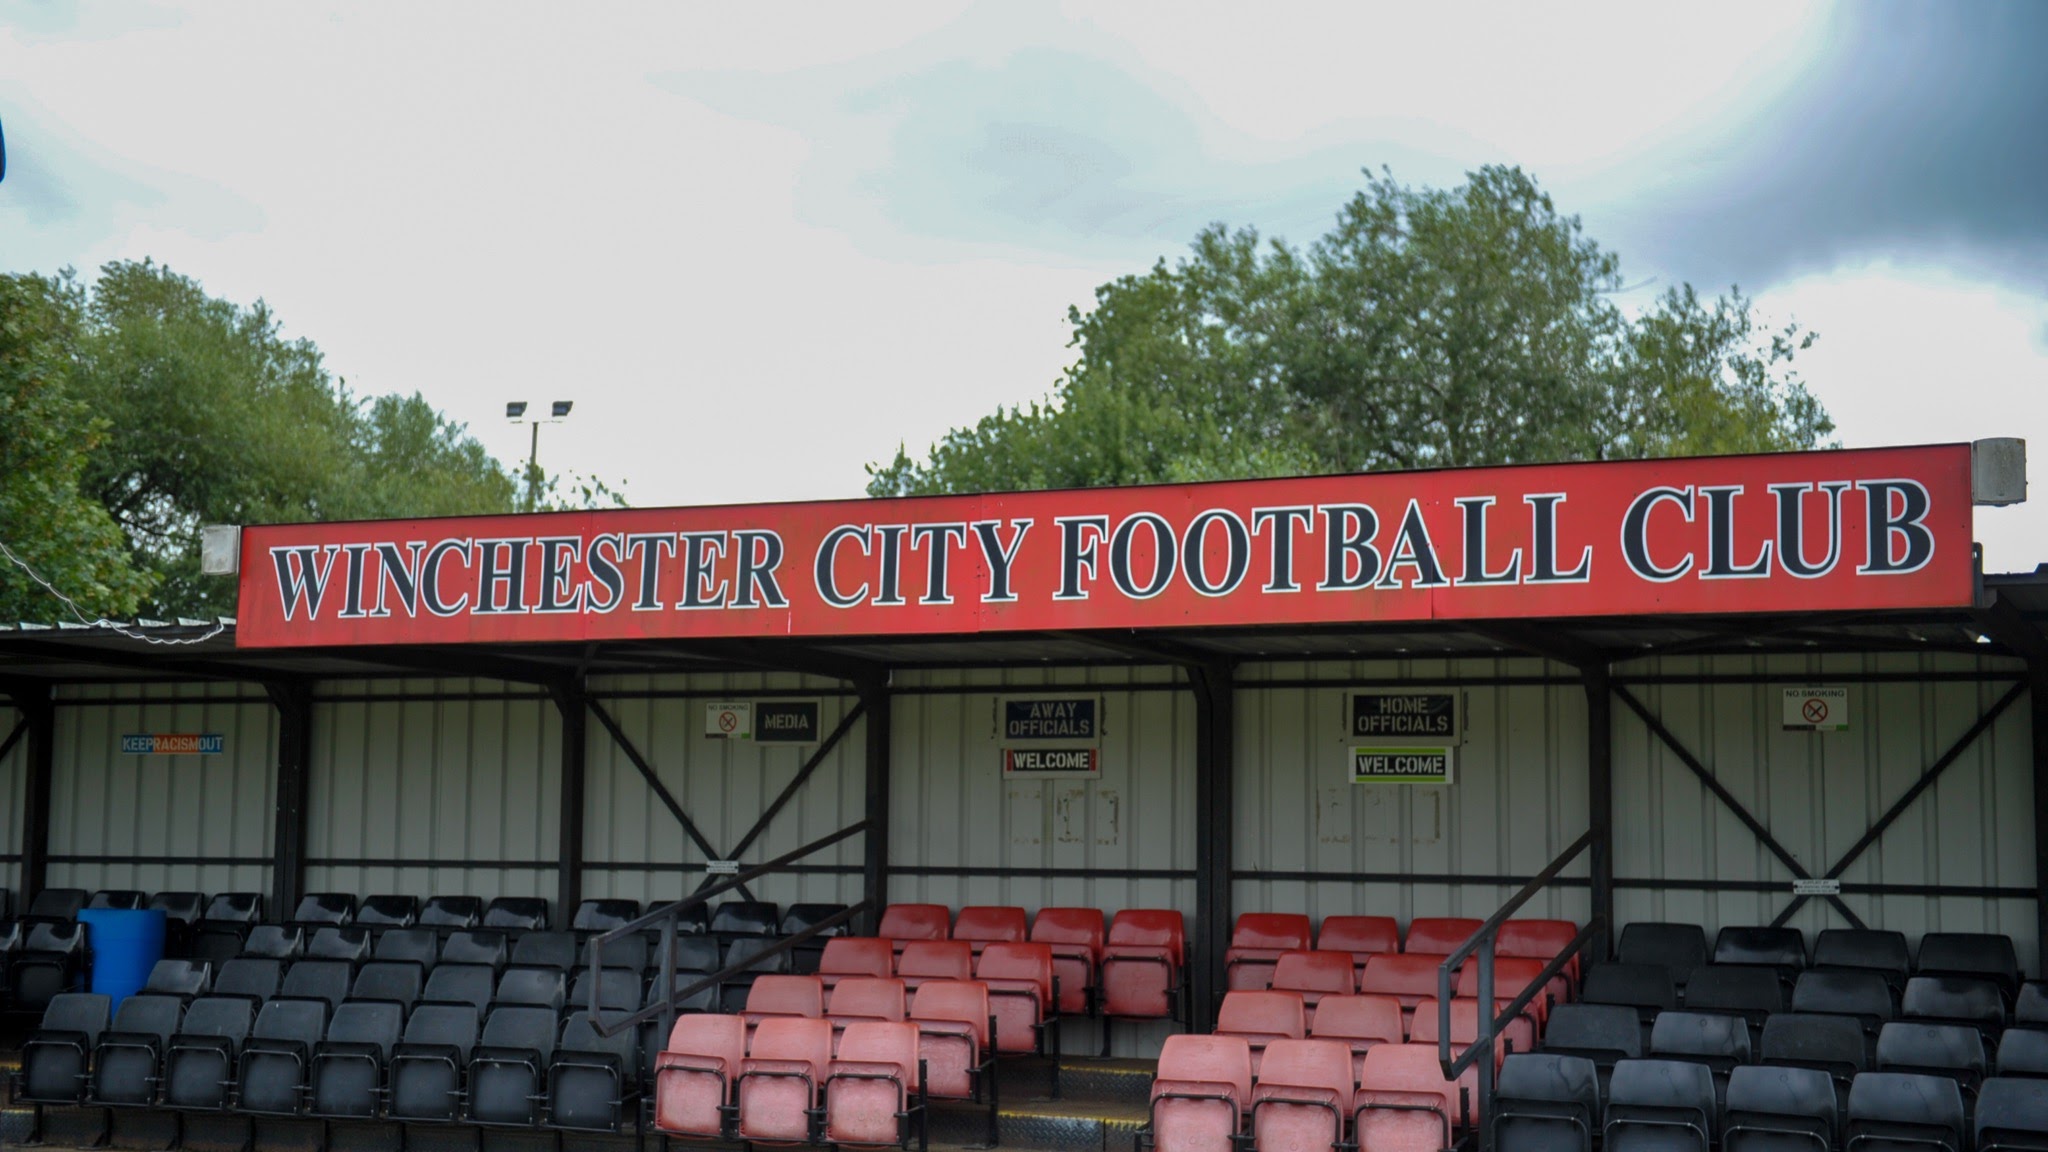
905, 922
1261, 1018
868, 998
855, 956
1199, 1097
1404, 976
775, 995
1256, 943
1141, 964
1314, 975
1519, 1036
1303, 1097
1405, 1105
871, 1084
984, 925
1439, 935
1076, 938
1360, 1022
781, 1076
1019, 979
695, 1074
924, 960
1511, 974
1362, 936
952, 1019
1542, 940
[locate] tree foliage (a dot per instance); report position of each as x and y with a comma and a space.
163, 409
1428, 328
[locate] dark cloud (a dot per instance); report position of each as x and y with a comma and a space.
1922, 132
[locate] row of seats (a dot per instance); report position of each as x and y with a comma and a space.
1259, 939
1682, 949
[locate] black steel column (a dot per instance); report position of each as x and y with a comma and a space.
294, 703
877, 704
1600, 802
569, 701
1215, 780
36, 708
2037, 689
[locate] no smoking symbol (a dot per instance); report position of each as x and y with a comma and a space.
1815, 711
728, 721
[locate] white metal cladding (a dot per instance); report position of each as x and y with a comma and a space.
1517, 800
724, 786
1819, 792
106, 805
464, 795
951, 807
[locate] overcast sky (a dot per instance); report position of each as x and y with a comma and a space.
758, 245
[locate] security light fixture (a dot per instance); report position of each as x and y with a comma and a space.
515, 409
562, 408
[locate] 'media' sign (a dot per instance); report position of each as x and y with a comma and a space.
1857, 530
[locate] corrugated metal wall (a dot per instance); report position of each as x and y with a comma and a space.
434, 795
723, 785
1819, 792
1519, 796
13, 777
105, 805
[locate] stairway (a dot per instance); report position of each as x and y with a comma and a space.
1100, 1106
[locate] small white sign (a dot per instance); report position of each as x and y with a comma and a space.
1816, 709
722, 867
732, 720
1818, 886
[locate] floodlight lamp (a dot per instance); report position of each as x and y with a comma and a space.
514, 409
562, 408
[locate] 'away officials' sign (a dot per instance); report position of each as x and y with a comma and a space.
1851, 530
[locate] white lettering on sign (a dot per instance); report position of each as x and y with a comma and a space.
1052, 762
730, 720
722, 867
1816, 709
1817, 886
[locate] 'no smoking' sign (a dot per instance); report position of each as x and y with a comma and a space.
729, 720
1816, 709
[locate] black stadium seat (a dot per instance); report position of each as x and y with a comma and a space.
185, 978
1546, 1103
326, 980
1861, 993
801, 917
509, 1066
200, 1062
1867, 949
234, 908
117, 899
1718, 1041
705, 1000
1901, 1112
382, 912
272, 1076
50, 961
1836, 1045
183, 907
251, 977
470, 984
733, 994
2023, 1052
347, 1074
516, 913
1679, 948
596, 916
57, 1056
275, 942
632, 951
1752, 992
325, 908
1779, 1110
1985, 954
334, 942
2031, 1007
618, 990
1952, 1050
548, 987
474, 947
1973, 1000
736, 918
395, 981
2012, 1115
546, 949
420, 946
451, 912
427, 1067
592, 1076
1602, 1033
56, 904
1660, 1106
1646, 988
125, 1064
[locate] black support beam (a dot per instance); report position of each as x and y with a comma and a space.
294, 704
569, 701
875, 703
1600, 804
40, 714
1215, 780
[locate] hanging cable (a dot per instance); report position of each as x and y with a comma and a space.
115, 626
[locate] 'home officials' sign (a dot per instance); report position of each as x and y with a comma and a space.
1853, 530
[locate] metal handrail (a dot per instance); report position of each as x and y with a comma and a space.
1494, 1020
665, 918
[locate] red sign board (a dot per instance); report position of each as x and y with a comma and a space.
1817, 531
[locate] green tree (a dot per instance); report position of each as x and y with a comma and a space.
177, 410
1428, 328
46, 435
